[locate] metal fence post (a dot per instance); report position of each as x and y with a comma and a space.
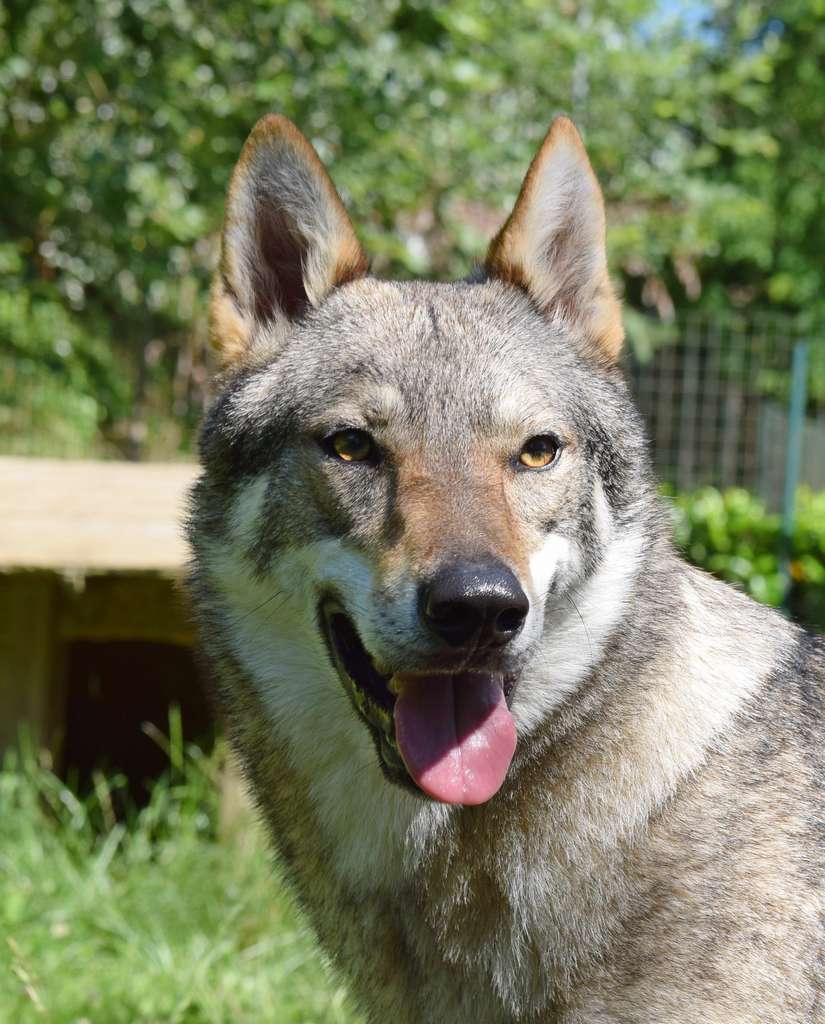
793, 456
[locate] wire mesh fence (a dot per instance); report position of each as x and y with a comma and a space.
718, 394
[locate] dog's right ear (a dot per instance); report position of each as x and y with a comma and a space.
287, 241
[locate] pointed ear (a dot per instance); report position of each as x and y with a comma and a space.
553, 243
287, 240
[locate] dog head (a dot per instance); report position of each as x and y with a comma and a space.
419, 520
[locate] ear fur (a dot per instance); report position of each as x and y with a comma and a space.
553, 243
287, 240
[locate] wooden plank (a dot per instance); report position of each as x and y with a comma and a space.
92, 516
31, 669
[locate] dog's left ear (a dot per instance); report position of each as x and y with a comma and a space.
287, 242
553, 243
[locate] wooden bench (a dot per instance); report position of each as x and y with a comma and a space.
88, 551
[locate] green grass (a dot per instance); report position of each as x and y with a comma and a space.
148, 920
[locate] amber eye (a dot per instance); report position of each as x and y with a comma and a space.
539, 451
351, 445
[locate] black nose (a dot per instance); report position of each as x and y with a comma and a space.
480, 601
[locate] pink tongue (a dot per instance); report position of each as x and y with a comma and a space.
456, 736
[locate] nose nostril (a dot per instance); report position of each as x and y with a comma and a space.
510, 620
454, 620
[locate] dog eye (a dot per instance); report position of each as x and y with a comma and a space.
350, 445
539, 452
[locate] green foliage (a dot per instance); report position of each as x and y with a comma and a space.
57, 373
784, 45
120, 121
729, 533
148, 920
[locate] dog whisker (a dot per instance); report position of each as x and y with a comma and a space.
570, 600
257, 608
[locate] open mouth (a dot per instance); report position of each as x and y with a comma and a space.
367, 688
448, 736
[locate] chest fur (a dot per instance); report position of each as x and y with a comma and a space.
485, 914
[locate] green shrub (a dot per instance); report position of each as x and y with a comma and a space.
58, 373
731, 534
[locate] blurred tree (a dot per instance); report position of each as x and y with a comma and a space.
767, 142
120, 121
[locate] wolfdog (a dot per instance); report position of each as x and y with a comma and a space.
520, 762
